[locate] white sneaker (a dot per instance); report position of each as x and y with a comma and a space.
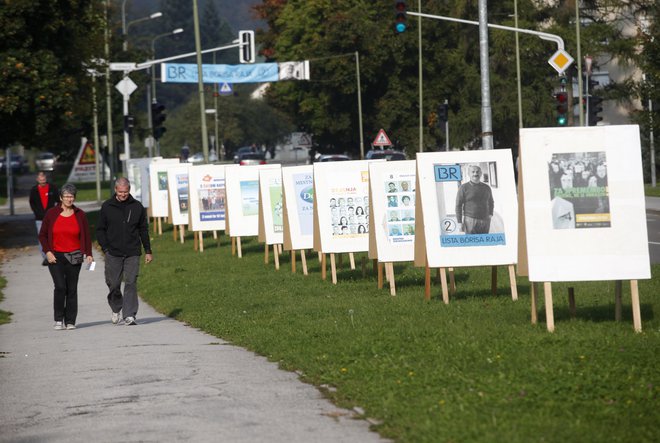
58, 326
115, 318
130, 321
70, 326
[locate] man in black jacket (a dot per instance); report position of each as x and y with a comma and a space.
122, 231
43, 196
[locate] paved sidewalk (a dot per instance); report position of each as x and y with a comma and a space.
158, 381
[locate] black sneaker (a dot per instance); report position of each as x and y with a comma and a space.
130, 321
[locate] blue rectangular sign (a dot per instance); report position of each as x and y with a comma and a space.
248, 73
447, 173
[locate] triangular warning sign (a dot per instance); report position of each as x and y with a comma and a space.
304, 140
226, 89
382, 139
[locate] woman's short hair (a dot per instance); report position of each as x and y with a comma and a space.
68, 188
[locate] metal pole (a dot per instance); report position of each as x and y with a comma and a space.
447, 127
97, 149
359, 97
108, 95
486, 116
10, 181
218, 142
586, 94
124, 30
515, 22
421, 83
579, 61
150, 123
127, 139
200, 84
651, 146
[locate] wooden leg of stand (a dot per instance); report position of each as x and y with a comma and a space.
320, 257
380, 276
637, 314
174, 232
452, 281
571, 301
512, 283
215, 235
266, 253
427, 283
392, 284
195, 242
293, 261
387, 271
549, 310
333, 269
534, 288
276, 256
160, 226
201, 241
493, 280
324, 272
351, 258
239, 249
618, 290
303, 259
154, 225
233, 246
445, 289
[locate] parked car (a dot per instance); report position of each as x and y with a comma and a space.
196, 158
18, 164
387, 154
251, 158
333, 158
242, 150
45, 161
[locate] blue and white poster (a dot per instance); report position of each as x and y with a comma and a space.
304, 189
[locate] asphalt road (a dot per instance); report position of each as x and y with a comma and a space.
653, 226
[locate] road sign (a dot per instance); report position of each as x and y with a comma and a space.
382, 139
301, 139
560, 60
126, 86
122, 66
226, 89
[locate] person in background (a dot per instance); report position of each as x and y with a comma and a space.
65, 238
122, 231
43, 196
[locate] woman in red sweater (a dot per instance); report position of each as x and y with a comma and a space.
65, 238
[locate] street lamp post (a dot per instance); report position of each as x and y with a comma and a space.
153, 57
125, 25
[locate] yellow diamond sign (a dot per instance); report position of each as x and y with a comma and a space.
561, 60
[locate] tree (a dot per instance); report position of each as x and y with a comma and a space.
45, 46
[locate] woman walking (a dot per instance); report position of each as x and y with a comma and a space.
65, 238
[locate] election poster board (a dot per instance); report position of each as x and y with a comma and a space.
137, 172
584, 204
177, 186
159, 200
207, 197
392, 210
242, 204
298, 199
341, 191
271, 211
466, 209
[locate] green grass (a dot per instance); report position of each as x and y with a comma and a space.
651, 191
4, 315
473, 370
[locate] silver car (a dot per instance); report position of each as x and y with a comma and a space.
45, 161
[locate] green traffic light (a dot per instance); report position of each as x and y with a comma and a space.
562, 120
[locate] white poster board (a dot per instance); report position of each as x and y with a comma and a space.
271, 212
177, 186
242, 204
584, 204
137, 172
298, 198
466, 209
159, 200
207, 197
392, 210
341, 189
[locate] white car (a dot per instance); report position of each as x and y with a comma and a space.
45, 161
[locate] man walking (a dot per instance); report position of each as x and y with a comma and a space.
474, 204
122, 231
43, 196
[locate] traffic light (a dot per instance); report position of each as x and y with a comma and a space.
400, 18
443, 113
129, 123
246, 52
157, 119
561, 98
594, 108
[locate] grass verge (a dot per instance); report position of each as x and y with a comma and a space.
5, 316
651, 191
474, 370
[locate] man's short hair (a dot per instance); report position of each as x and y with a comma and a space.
123, 181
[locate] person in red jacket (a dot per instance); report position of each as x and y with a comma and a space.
43, 196
65, 238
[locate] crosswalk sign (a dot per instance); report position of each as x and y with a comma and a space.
226, 89
382, 139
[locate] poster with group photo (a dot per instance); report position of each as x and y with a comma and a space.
298, 199
207, 197
341, 205
242, 203
177, 184
271, 211
393, 210
584, 204
468, 207
159, 200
